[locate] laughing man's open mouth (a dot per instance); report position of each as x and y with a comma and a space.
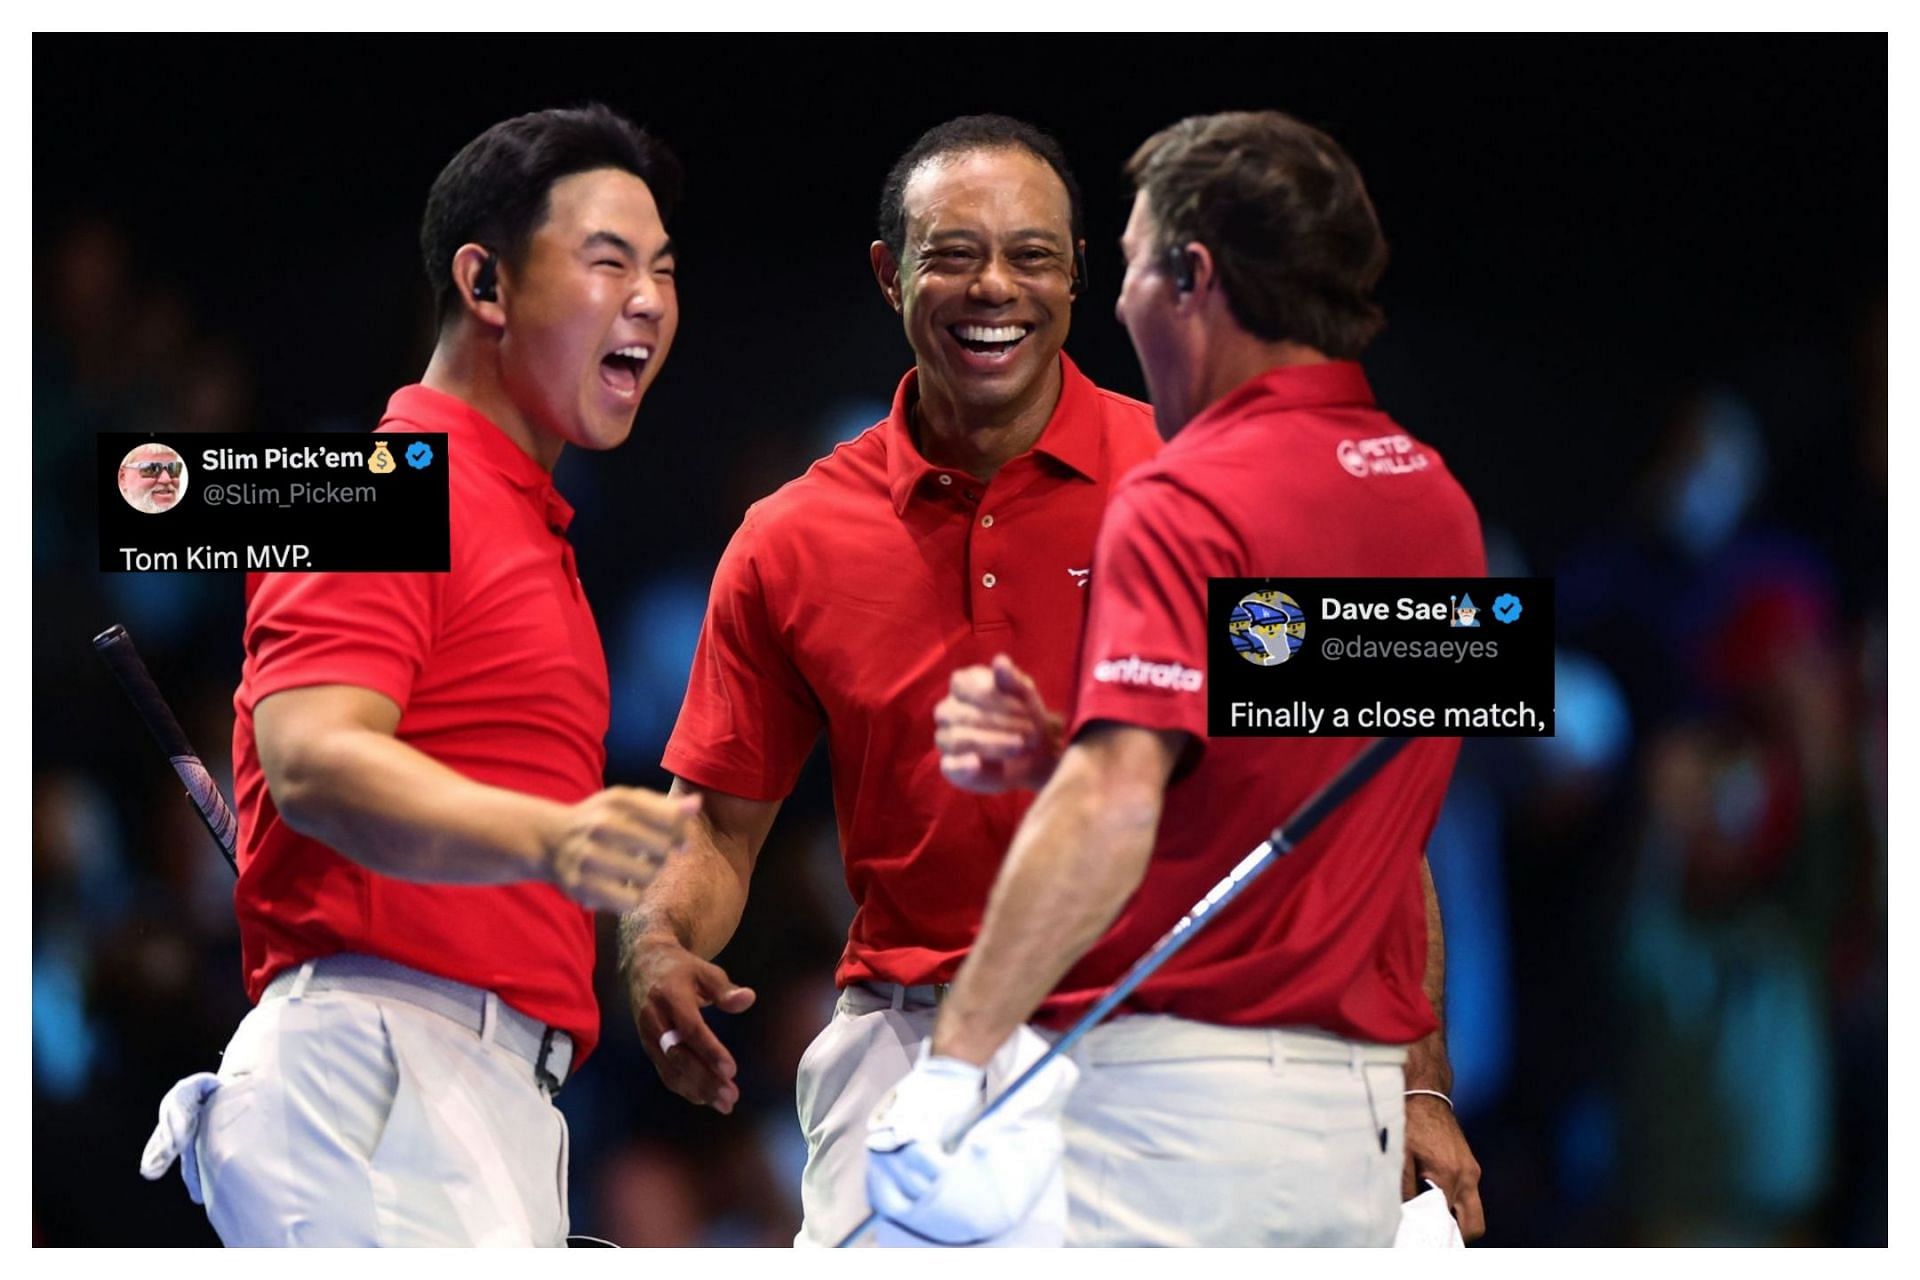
989, 339
621, 369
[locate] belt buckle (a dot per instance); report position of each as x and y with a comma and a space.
546, 1079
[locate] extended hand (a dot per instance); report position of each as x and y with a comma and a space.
607, 849
669, 985
1437, 1151
994, 731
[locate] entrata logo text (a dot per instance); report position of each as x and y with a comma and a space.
1149, 675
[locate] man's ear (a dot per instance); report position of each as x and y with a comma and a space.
887, 271
1206, 272
476, 276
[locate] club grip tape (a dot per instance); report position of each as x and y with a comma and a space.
206, 797
115, 648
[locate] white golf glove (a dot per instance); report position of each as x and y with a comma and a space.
997, 1174
180, 1113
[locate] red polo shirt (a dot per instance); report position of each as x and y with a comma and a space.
845, 602
1262, 483
497, 669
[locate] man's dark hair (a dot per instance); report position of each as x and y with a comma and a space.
963, 134
495, 191
1286, 217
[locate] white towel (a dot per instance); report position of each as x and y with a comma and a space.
1427, 1223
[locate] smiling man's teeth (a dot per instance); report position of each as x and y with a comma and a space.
635, 353
989, 333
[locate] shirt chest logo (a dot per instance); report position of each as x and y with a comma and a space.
1080, 576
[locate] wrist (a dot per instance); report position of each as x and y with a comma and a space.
1435, 1094
644, 939
546, 825
956, 1037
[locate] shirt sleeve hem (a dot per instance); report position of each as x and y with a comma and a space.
1141, 714
390, 685
713, 775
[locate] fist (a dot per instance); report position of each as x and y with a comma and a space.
607, 849
994, 732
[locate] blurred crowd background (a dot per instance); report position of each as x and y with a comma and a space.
1638, 300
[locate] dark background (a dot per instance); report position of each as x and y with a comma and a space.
1637, 299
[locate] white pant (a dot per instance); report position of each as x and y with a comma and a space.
1189, 1134
348, 1119
866, 1050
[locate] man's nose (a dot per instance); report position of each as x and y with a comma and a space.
648, 299
994, 284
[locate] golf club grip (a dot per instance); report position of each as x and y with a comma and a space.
116, 649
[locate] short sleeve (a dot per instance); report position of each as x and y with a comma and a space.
749, 719
1143, 659
373, 630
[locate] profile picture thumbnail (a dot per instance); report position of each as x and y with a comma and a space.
153, 478
1268, 627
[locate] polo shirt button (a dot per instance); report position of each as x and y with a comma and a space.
945, 478
988, 580
986, 522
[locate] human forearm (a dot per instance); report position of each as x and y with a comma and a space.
337, 773
698, 897
1079, 856
1436, 1149
695, 903
396, 810
1428, 1066
667, 944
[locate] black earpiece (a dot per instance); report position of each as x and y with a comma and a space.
1180, 267
1079, 271
483, 290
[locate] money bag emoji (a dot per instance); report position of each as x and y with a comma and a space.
381, 462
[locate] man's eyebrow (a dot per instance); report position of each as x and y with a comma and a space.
611, 240
667, 250
975, 237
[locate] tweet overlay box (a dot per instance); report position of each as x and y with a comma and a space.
189, 503
1367, 657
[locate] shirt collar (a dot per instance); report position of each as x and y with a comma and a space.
1073, 436
1337, 383
425, 409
